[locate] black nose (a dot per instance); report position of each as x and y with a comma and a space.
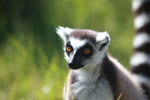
75, 65
70, 64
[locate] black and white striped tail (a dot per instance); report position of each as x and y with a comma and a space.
140, 61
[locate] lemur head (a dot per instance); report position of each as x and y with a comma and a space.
83, 48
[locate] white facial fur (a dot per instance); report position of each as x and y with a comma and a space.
95, 59
76, 43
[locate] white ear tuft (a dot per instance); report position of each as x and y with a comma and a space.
102, 36
64, 32
102, 40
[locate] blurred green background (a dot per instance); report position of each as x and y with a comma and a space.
32, 65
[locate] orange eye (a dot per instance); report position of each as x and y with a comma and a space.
68, 49
87, 51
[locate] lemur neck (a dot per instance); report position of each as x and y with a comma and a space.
91, 72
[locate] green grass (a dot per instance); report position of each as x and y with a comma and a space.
22, 79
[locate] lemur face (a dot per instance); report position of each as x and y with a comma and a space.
77, 52
83, 48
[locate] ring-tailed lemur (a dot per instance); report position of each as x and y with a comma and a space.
140, 62
94, 74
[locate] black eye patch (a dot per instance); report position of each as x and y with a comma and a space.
69, 48
85, 51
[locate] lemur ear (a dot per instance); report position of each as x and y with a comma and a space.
102, 40
64, 32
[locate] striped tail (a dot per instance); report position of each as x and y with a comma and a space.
140, 61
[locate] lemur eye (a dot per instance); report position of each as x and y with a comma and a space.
87, 51
69, 49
